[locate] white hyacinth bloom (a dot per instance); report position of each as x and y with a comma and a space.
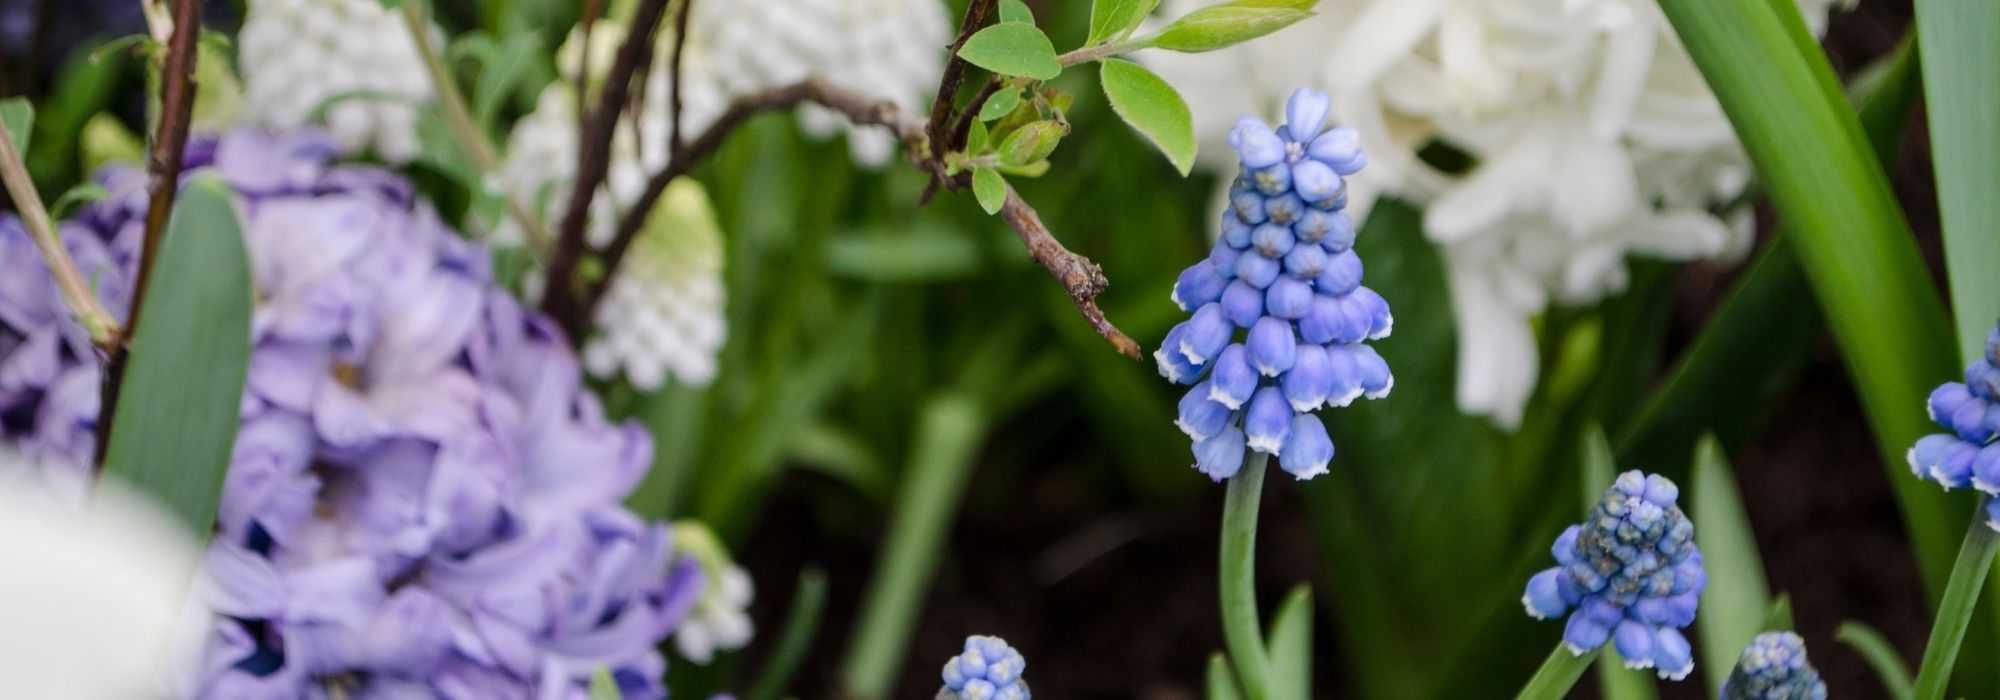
720, 618
93, 594
1593, 135
352, 58
663, 313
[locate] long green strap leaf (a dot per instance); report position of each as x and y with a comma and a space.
176, 418
1880, 655
1856, 248
794, 639
1291, 647
1961, 49
1737, 600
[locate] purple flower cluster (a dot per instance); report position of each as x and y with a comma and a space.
423, 501
1968, 455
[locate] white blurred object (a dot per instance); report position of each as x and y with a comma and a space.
92, 595
1593, 133
663, 313
720, 620
296, 55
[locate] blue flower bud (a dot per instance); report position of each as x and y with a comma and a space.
1316, 182
1256, 143
1339, 232
1288, 298
1267, 420
1305, 261
1634, 641
1983, 380
1372, 370
1986, 470
1341, 274
1323, 320
1305, 113
1310, 379
1272, 180
1672, 655
1242, 304
988, 669
1221, 455
1284, 209
1198, 285
1233, 381
1222, 258
1375, 310
1207, 332
1632, 574
1544, 598
1272, 346
1774, 667
1272, 240
1257, 269
1340, 149
1200, 416
1236, 231
1173, 365
1249, 207
1307, 448
1313, 225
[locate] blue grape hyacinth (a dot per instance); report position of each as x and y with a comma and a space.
1774, 667
1970, 410
1629, 574
989, 669
1283, 273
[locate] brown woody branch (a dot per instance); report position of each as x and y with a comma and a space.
954, 71
1080, 277
674, 89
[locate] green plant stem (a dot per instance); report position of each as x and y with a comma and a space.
76, 292
1241, 631
949, 430
1092, 53
1961, 595
1557, 675
795, 639
458, 119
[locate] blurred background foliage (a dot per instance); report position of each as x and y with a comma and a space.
909, 403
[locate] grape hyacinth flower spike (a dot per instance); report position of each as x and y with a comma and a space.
1629, 574
1970, 410
1774, 667
1279, 318
989, 669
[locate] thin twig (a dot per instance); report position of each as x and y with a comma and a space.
1080, 277
586, 22
467, 132
954, 71
75, 290
674, 88
561, 298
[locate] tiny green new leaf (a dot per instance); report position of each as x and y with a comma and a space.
18, 115
1016, 11
603, 686
976, 139
990, 189
1228, 24
1013, 48
1000, 104
1031, 143
1151, 106
1111, 20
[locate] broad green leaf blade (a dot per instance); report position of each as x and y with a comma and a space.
1600, 468
175, 421
1961, 58
1220, 680
1225, 25
990, 189
1012, 48
602, 687
1809, 150
794, 639
17, 115
1000, 104
1291, 647
1880, 655
1737, 598
1016, 11
1151, 106
916, 254
1111, 20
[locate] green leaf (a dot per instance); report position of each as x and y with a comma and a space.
1151, 106
976, 139
1032, 142
83, 193
1779, 617
1961, 51
1620, 683
794, 638
1735, 602
1016, 11
502, 73
1013, 48
990, 189
917, 254
1111, 20
17, 115
1035, 169
175, 421
1000, 104
1600, 467
1220, 680
1557, 675
602, 687
1291, 647
1881, 656
395, 5
1226, 24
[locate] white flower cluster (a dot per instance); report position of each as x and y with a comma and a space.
1593, 137
720, 619
351, 58
663, 313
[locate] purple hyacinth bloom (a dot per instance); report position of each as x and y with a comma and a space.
1629, 575
1293, 290
424, 499
1968, 454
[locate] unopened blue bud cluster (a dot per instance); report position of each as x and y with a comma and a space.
1630, 574
1774, 667
989, 669
1285, 274
1968, 455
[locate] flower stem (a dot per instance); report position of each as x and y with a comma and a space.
1241, 631
467, 132
1092, 53
1557, 675
1961, 595
75, 291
